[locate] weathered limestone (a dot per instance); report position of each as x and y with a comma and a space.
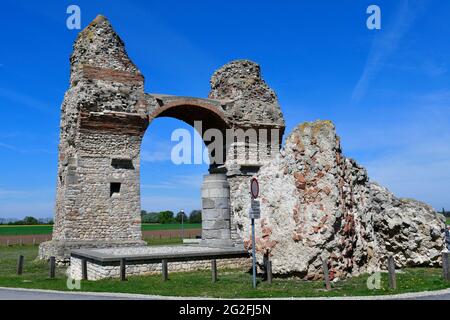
102, 123
318, 204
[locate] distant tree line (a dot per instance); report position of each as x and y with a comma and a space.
29, 221
167, 217
163, 217
445, 213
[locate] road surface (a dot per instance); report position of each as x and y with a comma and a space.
26, 294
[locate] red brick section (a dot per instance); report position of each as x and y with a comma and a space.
193, 103
125, 77
114, 122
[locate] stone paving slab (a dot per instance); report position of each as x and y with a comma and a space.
158, 253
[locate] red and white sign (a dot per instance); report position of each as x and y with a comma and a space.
254, 188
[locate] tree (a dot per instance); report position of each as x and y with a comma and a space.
195, 216
166, 217
181, 216
30, 221
150, 217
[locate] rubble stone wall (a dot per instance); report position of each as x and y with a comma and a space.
317, 204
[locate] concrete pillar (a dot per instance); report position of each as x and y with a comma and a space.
216, 231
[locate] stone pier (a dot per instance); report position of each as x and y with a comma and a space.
216, 228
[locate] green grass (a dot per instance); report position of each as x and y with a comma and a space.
231, 284
6, 230
448, 221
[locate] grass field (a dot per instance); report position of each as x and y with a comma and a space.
231, 284
448, 221
6, 230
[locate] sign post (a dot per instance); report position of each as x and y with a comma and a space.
255, 213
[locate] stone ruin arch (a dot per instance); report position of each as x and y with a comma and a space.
104, 116
315, 203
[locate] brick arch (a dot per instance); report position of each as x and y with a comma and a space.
190, 110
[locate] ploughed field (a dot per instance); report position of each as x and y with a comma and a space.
38, 234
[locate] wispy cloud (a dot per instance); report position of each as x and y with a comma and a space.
26, 150
384, 45
156, 152
19, 210
155, 156
434, 69
25, 100
421, 171
410, 153
18, 203
15, 194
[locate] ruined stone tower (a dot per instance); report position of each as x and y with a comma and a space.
104, 117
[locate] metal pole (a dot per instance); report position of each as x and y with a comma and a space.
254, 253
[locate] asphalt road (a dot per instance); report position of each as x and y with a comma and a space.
25, 294
444, 296
17, 294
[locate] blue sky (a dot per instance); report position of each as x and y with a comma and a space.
387, 91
